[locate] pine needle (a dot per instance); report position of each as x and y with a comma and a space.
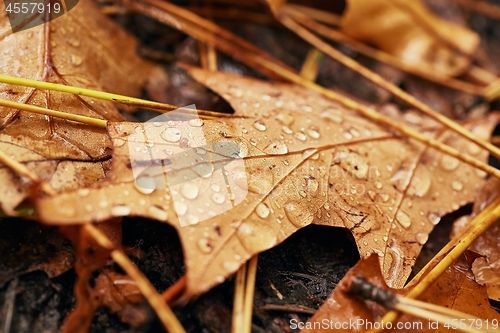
249, 294
448, 254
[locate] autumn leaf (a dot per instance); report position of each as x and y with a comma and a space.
411, 32
305, 160
81, 48
486, 268
455, 289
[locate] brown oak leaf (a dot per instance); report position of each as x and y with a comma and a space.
288, 158
82, 48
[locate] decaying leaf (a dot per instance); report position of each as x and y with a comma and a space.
81, 48
455, 289
486, 268
409, 31
288, 158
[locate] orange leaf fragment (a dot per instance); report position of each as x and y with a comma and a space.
455, 289
408, 30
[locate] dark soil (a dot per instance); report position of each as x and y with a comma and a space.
293, 279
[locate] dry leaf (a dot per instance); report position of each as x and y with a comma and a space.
455, 289
83, 49
292, 158
409, 31
486, 268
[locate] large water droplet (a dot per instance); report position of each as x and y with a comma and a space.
422, 238
76, 60
312, 186
384, 196
449, 163
197, 122
420, 183
256, 238
145, 185
205, 245
276, 148
180, 208
473, 149
189, 190
120, 210
285, 119
313, 132
298, 214
403, 219
157, 213
457, 186
231, 266
434, 218
287, 130
83, 192
300, 136
355, 164
259, 126
332, 115
218, 198
171, 134
262, 210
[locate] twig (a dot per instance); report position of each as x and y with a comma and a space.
8, 306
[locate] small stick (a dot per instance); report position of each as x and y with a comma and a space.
359, 286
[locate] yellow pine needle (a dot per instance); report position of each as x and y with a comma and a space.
249, 294
22, 170
442, 315
448, 254
239, 300
53, 113
379, 80
165, 314
127, 100
86, 92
